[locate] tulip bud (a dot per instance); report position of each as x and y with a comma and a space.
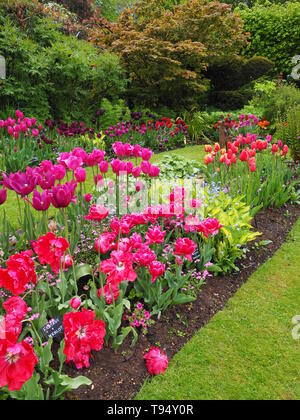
75, 303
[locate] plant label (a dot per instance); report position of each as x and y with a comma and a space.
54, 329
196, 255
2, 68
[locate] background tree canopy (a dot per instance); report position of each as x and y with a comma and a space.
165, 51
65, 57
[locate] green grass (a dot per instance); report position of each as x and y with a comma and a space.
191, 152
11, 206
247, 350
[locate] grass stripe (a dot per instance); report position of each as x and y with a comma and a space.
247, 350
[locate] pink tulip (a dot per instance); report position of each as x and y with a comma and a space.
136, 172
154, 171
88, 197
146, 154
80, 175
19, 114
129, 167
103, 167
146, 167
118, 149
116, 166
75, 303
63, 157
73, 163
79, 152
137, 151
60, 172
156, 269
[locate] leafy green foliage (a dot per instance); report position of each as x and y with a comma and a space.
234, 215
113, 112
288, 129
50, 74
172, 167
230, 99
275, 32
80, 77
201, 124
111, 9
273, 100
231, 80
237, 72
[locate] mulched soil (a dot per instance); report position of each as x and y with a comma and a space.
120, 376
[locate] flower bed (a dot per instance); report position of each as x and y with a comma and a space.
24, 142
109, 262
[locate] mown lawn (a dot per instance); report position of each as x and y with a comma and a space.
247, 350
11, 206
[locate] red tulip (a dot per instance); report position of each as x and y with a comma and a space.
97, 213
245, 155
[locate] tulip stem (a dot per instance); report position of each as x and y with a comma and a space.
65, 212
19, 207
45, 222
118, 195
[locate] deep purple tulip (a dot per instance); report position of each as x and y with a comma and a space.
63, 195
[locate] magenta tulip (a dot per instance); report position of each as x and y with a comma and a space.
103, 167
3, 196
154, 171
146, 167
116, 166
63, 195
41, 202
60, 172
136, 172
73, 163
80, 175
146, 154
22, 183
